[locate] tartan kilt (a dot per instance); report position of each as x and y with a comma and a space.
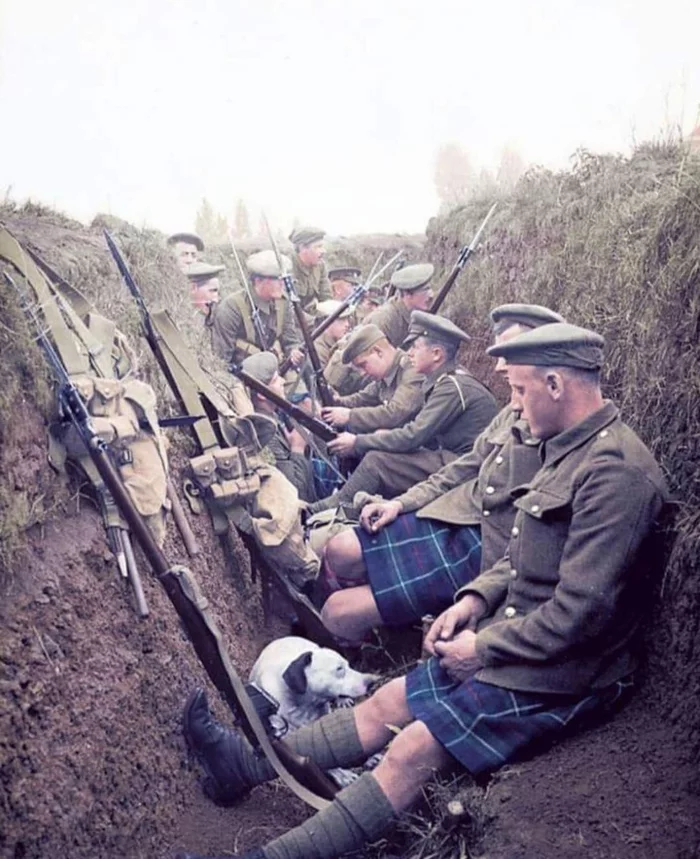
415, 566
485, 726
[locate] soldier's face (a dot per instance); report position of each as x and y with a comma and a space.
204, 293
185, 254
419, 299
269, 288
373, 363
500, 367
534, 392
313, 253
341, 289
423, 355
339, 328
277, 384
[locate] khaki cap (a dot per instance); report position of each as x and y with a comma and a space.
532, 315
361, 340
412, 277
306, 235
262, 366
190, 238
329, 307
436, 327
200, 271
559, 344
349, 274
264, 264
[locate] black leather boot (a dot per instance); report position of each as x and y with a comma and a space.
219, 750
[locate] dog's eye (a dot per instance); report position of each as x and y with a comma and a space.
340, 670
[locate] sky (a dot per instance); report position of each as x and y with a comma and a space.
326, 111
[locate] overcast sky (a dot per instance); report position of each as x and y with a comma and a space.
327, 110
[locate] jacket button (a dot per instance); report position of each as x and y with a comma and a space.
509, 612
515, 531
499, 459
490, 490
513, 574
535, 508
603, 434
486, 513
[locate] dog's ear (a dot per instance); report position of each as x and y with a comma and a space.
295, 675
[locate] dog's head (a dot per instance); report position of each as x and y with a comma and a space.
325, 675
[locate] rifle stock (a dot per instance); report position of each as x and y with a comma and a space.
314, 425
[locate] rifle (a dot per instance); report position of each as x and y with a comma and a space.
299, 773
324, 391
318, 427
464, 255
254, 312
354, 298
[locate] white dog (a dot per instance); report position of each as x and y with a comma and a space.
305, 680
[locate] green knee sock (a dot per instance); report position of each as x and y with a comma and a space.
358, 814
331, 741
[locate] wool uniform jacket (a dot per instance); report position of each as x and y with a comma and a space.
393, 318
566, 601
234, 335
312, 284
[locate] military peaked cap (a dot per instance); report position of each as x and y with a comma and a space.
329, 307
200, 271
557, 345
532, 315
349, 274
306, 235
436, 327
264, 264
262, 366
412, 277
361, 340
190, 238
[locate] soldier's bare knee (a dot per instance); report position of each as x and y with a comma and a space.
415, 751
343, 550
334, 610
388, 703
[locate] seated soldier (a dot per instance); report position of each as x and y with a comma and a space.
412, 293
343, 281
534, 647
412, 553
239, 330
186, 248
287, 446
309, 267
456, 409
372, 299
393, 397
204, 286
327, 343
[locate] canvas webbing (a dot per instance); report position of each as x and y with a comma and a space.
251, 334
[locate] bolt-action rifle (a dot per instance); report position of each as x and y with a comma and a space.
254, 312
301, 774
324, 391
464, 255
315, 425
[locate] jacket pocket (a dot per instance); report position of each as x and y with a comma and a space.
544, 504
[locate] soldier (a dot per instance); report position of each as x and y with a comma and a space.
287, 446
456, 408
234, 330
372, 299
327, 343
309, 268
536, 646
412, 293
186, 248
343, 281
393, 397
204, 285
412, 553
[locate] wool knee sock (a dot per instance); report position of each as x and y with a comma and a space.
358, 814
331, 741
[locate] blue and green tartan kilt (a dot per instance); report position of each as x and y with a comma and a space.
415, 566
485, 726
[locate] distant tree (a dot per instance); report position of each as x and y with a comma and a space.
512, 166
210, 224
241, 221
454, 176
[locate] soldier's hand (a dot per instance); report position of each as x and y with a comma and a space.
296, 356
297, 443
343, 445
337, 416
458, 656
466, 612
378, 514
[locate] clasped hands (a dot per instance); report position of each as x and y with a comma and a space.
452, 637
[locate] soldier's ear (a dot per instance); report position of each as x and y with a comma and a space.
555, 384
